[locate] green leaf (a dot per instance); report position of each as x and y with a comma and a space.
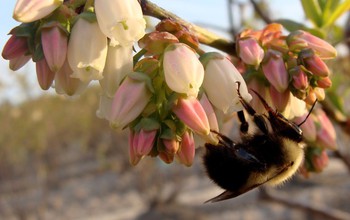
313, 11
340, 10
327, 8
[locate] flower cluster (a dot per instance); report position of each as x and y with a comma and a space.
285, 69
290, 72
75, 42
173, 94
170, 90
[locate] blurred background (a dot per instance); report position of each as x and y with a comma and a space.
59, 161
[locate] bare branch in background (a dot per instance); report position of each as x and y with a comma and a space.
260, 12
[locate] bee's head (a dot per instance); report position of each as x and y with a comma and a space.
282, 126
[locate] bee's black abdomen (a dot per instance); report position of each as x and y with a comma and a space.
223, 167
230, 167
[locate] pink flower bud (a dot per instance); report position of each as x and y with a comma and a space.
171, 146
19, 62
191, 112
167, 158
65, 84
326, 136
308, 128
129, 101
54, 42
140, 144
133, 157
299, 40
319, 162
300, 79
250, 51
279, 100
275, 71
31, 10
187, 149
324, 82
311, 97
44, 74
15, 47
315, 65
212, 119
182, 70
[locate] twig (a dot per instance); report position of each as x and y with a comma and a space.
322, 211
204, 36
260, 12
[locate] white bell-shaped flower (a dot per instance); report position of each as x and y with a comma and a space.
118, 64
31, 10
183, 71
220, 83
87, 50
120, 20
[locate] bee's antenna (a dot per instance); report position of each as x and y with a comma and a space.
312, 107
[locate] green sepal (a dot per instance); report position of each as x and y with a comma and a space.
205, 58
147, 124
142, 77
86, 15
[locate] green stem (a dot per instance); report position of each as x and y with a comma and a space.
204, 36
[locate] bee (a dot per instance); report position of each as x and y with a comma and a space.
271, 155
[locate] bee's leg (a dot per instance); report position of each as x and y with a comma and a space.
224, 139
259, 120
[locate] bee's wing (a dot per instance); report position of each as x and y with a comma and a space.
232, 194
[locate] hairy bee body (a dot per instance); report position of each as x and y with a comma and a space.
271, 155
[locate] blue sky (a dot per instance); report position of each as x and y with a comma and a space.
198, 11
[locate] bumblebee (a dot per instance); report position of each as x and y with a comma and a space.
271, 155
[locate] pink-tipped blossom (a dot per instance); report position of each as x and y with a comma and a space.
182, 70
129, 101
299, 40
191, 112
19, 62
275, 70
250, 51
44, 74
212, 119
31, 10
171, 146
299, 77
308, 127
260, 88
324, 82
15, 47
165, 157
326, 136
140, 144
54, 42
316, 66
279, 100
187, 149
